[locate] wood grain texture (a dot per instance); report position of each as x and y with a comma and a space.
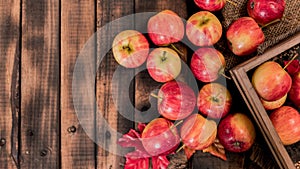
114, 104
144, 83
77, 26
40, 84
9, 69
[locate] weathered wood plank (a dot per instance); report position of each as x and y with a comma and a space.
40, 84
9, 69
77, 26
113, 102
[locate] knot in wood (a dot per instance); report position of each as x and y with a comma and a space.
2, 142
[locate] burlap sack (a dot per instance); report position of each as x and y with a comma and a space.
288, 26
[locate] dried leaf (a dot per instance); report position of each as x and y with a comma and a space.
141, 127
178, 161
133, 163
216, 149
188, 152
160, 162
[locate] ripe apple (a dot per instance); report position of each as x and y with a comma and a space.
210, 5
244, 36
176, 100
294, 93
160, 137
236, 132
130, 48
271, 81
271, 105
264, 12
163, 64
203, 29
197, 132
286, 122
214, 100
165, 28
207, 64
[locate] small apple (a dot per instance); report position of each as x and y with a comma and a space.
203, 29
163, 64
210, 5
214, 100
286, 122
165, 28
207, 64
130, 48
294, 93
244, 36
271, 81
236, 132
264, 12
176, 100
160, 137
197, 132
271, 105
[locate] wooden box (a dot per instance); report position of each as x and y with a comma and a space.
241, 75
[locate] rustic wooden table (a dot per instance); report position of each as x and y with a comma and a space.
40, 41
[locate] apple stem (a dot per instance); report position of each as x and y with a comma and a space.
175, 125
155, 95
180, 148
227, 77
232, 3
176, 49
290, 61
270, 23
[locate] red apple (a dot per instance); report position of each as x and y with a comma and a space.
244, 36
207, 64
163, 64
265, 11
160, 137
271, 81
294, 93
198, 133
176, 100
236, 132
203, 29
130, 48
210, 5
165, 28
214, 100
286, 122
271, 105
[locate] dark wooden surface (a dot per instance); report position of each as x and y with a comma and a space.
40, 45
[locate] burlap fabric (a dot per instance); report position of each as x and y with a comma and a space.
288, 26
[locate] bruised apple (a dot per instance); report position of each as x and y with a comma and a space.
210, 5
197, 132
130, 48
214, 100
271, 81
203, 29
207, 64
160, 137
286, 122
165, 28
176, 100
244, 36
236, 132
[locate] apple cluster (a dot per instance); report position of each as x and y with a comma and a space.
244, 35
276, 88
177, 102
